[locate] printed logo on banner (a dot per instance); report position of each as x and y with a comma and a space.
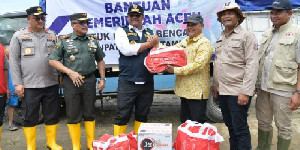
165, 17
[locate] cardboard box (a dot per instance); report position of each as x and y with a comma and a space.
155, 136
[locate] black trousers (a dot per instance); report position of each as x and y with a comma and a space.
194, 110
132, 95
3, 98
47, 98
235, 118
80, 101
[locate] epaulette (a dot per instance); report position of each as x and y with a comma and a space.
65, 36
93, 36
47, 30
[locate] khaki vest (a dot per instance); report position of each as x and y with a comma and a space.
283, 75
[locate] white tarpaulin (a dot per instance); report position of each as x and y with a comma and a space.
164, 16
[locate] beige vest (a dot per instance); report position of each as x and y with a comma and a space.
283, 75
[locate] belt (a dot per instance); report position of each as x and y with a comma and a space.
87, 76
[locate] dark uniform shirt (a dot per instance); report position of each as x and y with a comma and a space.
78, 53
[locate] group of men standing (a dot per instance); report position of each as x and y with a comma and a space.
36, 55
272, 71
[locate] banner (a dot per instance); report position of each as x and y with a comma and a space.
165, 17
258, 5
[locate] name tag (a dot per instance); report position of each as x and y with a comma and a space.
139, 82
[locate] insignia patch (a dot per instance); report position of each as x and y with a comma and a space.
255, 46
236, 39
147, 35
28, 40
131, 34
50, 37
132, 42
26, 37
289, 34
72, 57
27, 51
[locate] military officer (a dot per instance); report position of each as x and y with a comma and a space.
78, 52
34, 79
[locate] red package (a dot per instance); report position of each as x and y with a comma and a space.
192, 135
159, 58
121, 142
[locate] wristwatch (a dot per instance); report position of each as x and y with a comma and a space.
297, 91
103, 79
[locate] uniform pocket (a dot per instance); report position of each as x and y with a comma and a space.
236, 52
285, 72
27, 49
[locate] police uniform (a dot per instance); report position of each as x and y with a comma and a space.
135, 86
29, 52
235, 72
79, 54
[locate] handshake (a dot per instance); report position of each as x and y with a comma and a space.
153, 40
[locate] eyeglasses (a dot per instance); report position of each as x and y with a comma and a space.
82, 23
39, 18
134, 15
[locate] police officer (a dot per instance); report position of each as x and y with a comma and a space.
235, 72
135, 87
34, 79
78, 52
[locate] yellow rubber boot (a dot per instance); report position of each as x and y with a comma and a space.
75, 134
119, 129
0, 135
137, 126
50, 131
30, 135
90, 133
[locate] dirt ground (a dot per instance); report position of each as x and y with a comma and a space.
165, 109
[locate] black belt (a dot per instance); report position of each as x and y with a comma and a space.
87, 76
